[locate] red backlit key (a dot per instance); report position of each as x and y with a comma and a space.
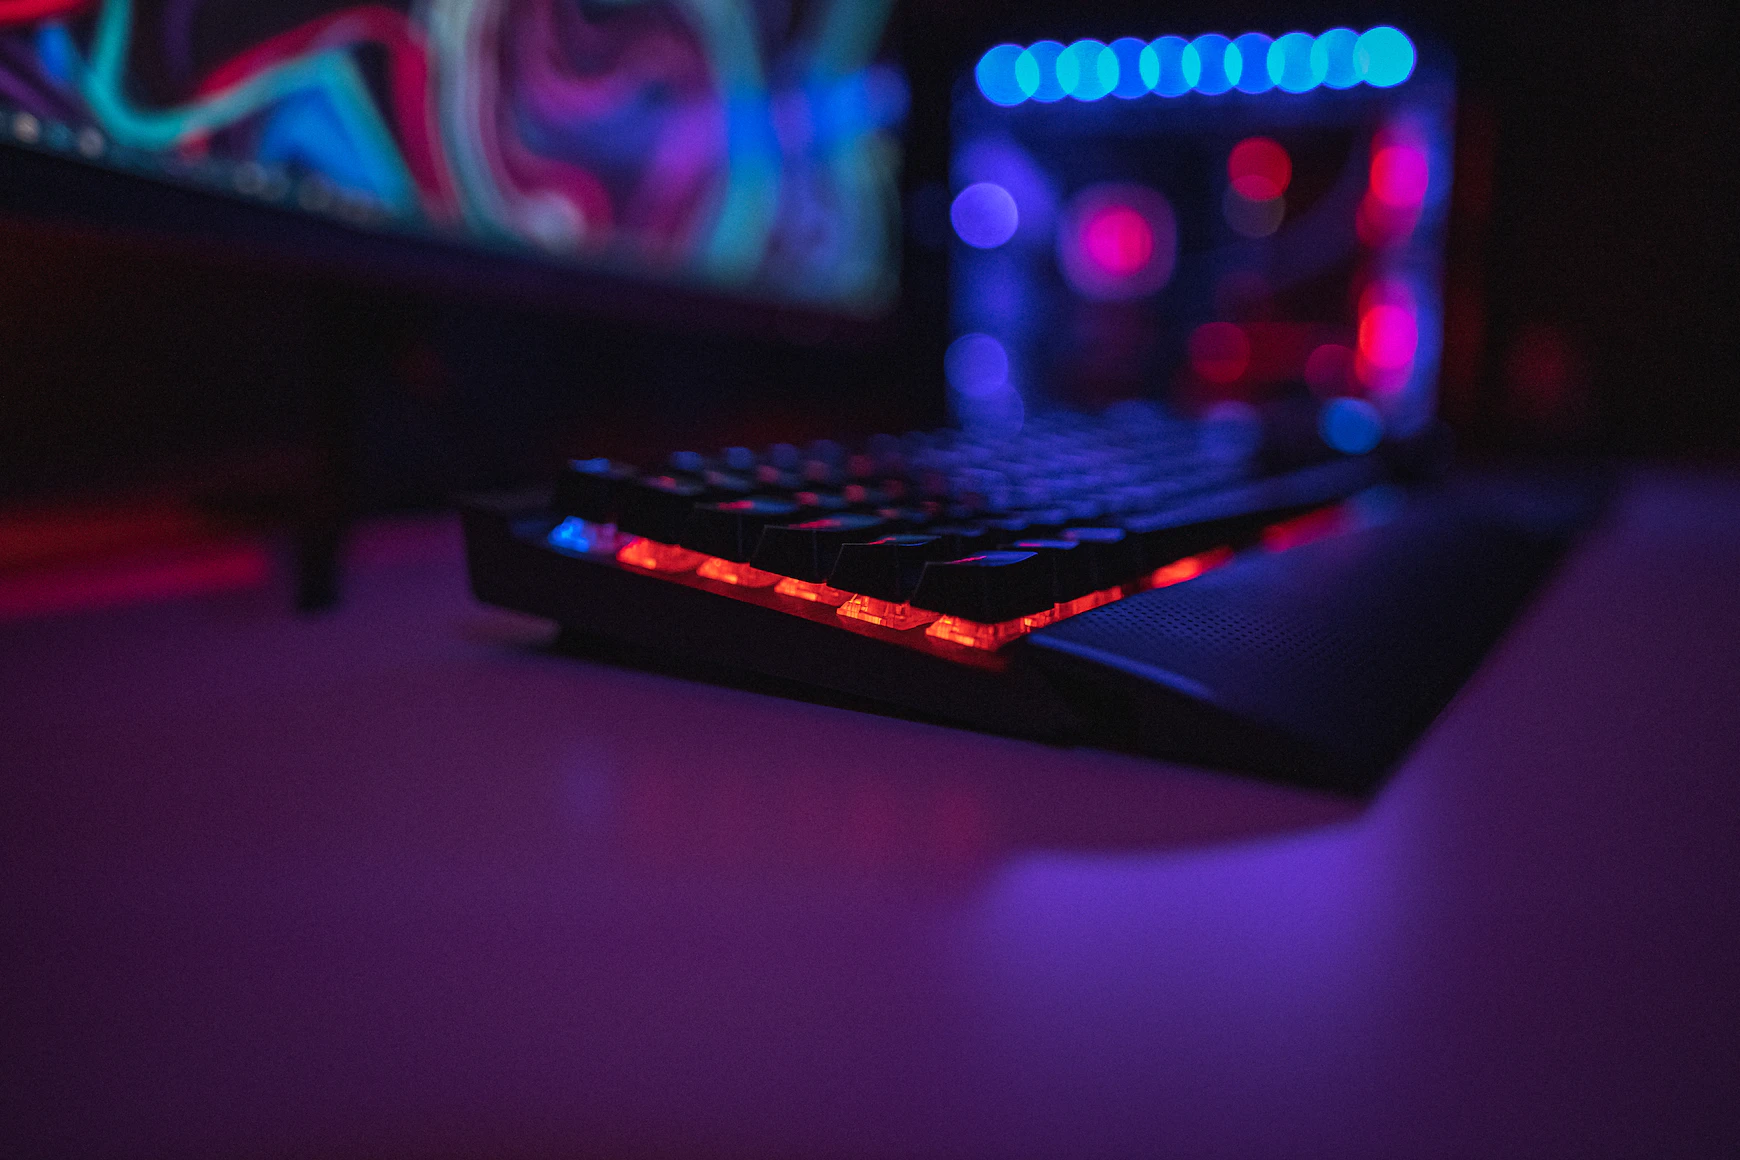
1115, 556
658, 507
988, 588
807, 551
889, 568
732, 530
1070, 566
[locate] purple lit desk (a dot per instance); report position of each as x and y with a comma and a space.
393, 882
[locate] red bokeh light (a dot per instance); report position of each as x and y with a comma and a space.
1379, 224
1388, 336
108, 583
1329, 369
1380, 381
1385, 292
1118, 240
1219, 352
1399, 175
1260, 169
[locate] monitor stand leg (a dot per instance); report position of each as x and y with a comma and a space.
346, 337
317, 567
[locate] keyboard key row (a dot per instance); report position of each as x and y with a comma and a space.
944, 526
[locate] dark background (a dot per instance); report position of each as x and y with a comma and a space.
1591, 293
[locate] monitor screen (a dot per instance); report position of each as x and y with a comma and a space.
1219, 223
748, 147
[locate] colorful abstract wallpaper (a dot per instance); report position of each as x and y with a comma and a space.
747, 146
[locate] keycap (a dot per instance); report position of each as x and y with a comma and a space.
823, 473
966, 539
658, 507
907, 519
888, 568
1047, 522
1115, 555
807, 551
1069, 565
732, 530
885, 450
827, 451
592, 489
988, 588
1008, 528
830, 503
726, 485
772, 478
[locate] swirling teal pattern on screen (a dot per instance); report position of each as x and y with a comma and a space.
749, 146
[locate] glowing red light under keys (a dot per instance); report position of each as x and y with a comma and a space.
953, 629
887, 613
1308, 528
807, 590
732, 572
1118, 240
972, 634
1088, 603
1188, 568
657, 557
1259, 168
992, 636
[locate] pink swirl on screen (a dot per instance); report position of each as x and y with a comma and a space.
408, 71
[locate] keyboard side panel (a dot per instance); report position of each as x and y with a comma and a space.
753, 631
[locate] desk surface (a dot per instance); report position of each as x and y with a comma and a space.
396, 882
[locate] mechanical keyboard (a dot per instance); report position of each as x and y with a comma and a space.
1035, 584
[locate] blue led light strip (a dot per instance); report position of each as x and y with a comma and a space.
1171, 66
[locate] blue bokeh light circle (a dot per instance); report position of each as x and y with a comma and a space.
1332, 58
1132, 76
1292, 65
1212, 64
976, 365
1087, 70
1383, 56
1253, 72
1038, 65
985, 215
1216, 63
1351, 426
1171, 66
996, 75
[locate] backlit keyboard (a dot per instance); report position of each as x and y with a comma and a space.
975, 541
957, 576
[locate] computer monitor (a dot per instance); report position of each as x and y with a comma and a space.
746, 151
1221, 223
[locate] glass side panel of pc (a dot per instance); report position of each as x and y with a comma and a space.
1216, 223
